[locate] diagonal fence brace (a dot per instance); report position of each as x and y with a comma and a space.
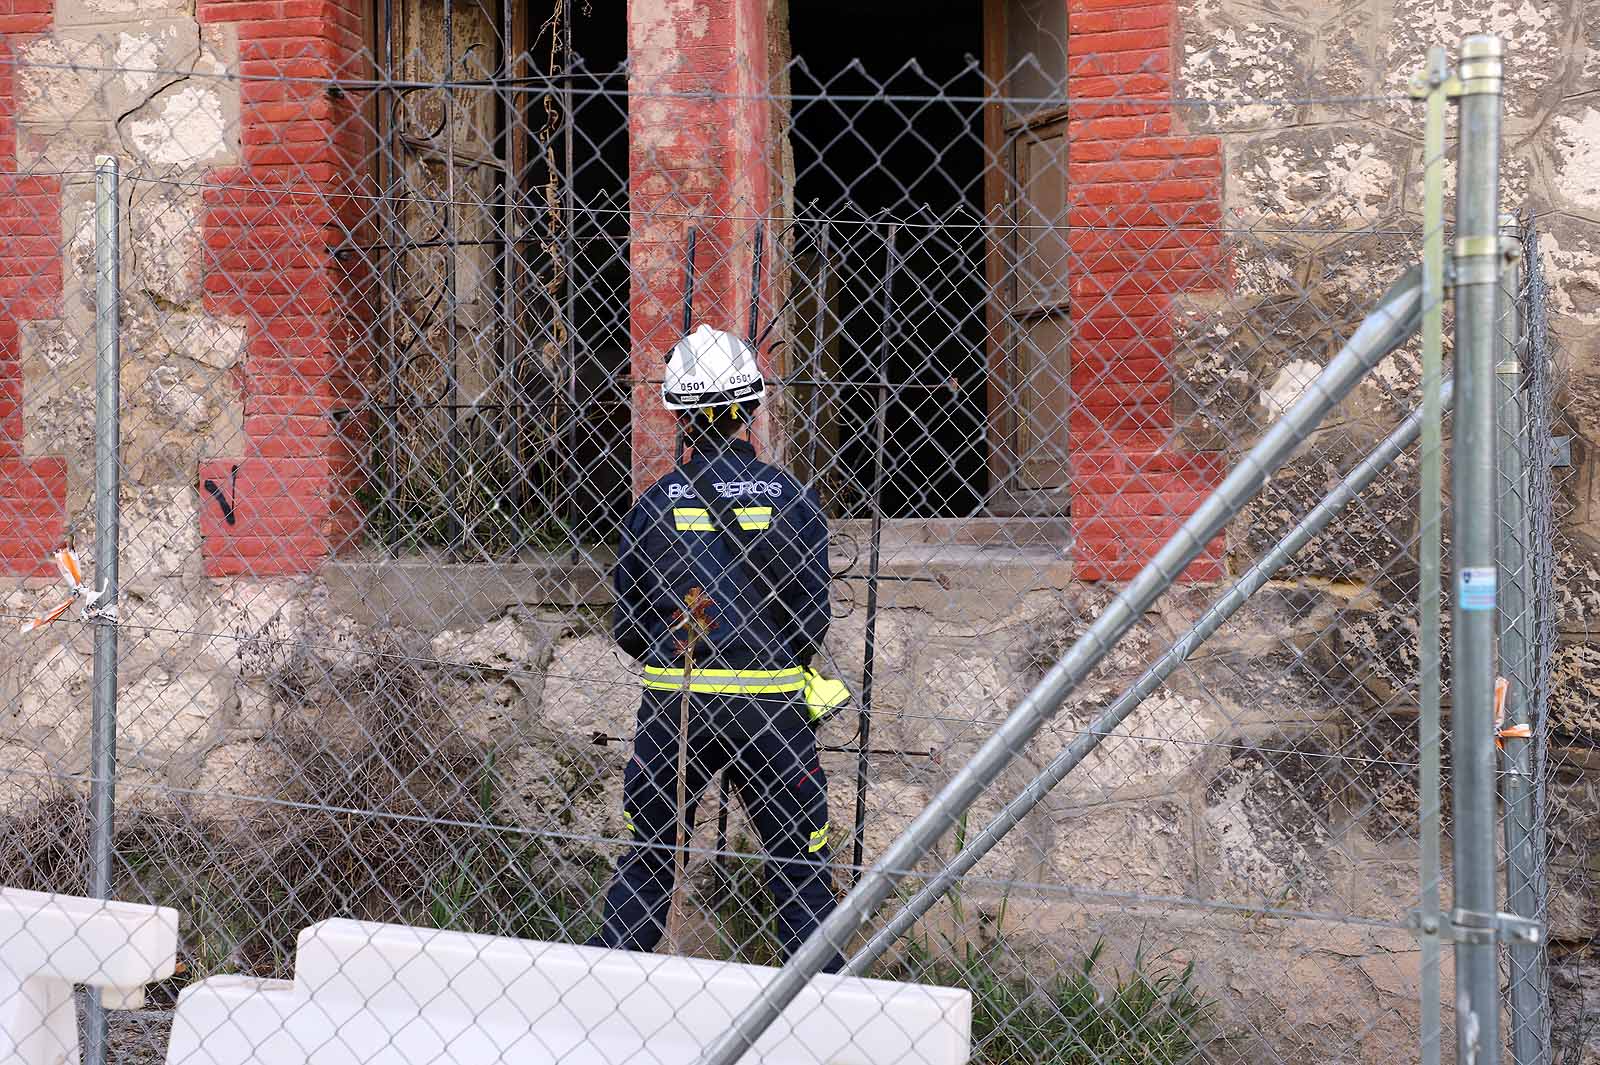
1315, 520
1397, 316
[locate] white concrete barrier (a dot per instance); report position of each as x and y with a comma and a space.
48, 943
372, 994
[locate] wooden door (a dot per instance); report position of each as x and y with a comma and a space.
449, 162
447, 151
1025, 188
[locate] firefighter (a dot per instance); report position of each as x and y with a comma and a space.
755, 541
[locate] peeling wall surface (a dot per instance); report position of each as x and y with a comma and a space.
168, 130
1339, 149
1218, 787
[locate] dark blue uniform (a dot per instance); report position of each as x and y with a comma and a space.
768, 582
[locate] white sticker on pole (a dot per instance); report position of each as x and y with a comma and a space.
1475, 588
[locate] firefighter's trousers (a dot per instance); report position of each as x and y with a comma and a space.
771, 750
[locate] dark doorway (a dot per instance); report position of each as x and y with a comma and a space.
598, 273
887, 133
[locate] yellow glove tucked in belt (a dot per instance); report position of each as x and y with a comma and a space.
824, 697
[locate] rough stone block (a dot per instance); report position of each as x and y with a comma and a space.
1217, 47
53, 345
1332, 178
501, 645
162, 616
1367, 656
234, 776
1145, 847
1346, 66
164, 244
58, 419
1367, 541
1153, 752
1569, 248
59, 79
488, 710
1263, 821
55, 697
160, 535
553, 784
893, 802
592, 687
257, 619
210, 341
1575, 699
138, 73
186, 127
1535, 32
116, 12
1577, 581
27, 775
161, 713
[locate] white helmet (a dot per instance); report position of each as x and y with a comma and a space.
711, 368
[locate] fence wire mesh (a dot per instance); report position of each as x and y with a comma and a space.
1563, 793
395, 324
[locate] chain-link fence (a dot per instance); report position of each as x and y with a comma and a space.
1559, 767
405, 532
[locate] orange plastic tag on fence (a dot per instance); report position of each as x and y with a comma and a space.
1515, 732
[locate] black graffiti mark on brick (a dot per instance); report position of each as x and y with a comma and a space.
222, 501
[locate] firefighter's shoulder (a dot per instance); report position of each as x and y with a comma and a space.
657, 498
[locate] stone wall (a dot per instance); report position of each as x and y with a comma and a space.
1324, 199
238, 331
232, 349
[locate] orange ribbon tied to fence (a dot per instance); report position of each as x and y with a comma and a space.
72, 572
1501, 731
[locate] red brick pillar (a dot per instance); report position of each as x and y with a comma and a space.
272, 226
698, 157
1145, 201
33, 491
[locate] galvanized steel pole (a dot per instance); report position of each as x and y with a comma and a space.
107, 481
1394, 320
1473, 488
1317, 519
1430, 733
1516, 666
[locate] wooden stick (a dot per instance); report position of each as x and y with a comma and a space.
695, 622
680, 856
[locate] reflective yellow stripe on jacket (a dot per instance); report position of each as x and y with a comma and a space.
727, 681
698, 519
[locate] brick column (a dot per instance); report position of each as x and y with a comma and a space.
271, 228
1144, 201
698, 155
33, 491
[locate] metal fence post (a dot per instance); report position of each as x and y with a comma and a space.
869, 658
107, 468
1473, 488
1431, 505
1516, 662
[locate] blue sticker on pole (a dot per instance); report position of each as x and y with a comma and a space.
1475, 588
